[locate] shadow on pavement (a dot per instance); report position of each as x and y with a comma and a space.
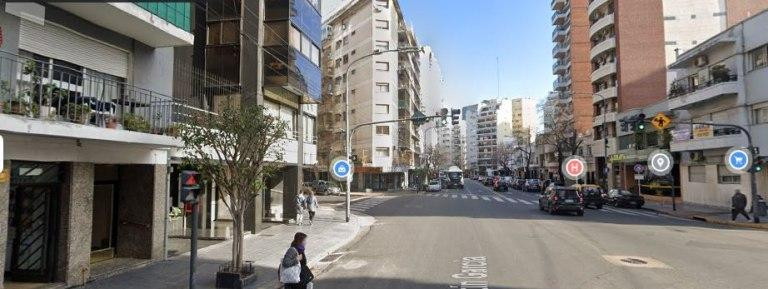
391, 283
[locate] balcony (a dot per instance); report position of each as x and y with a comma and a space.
559, 34
558, 5
560, 17
604, 118
157, 24
40, 98
562, 83
599, 147
605, 70
289, 70
601, 24
685, 96
604, 94
561, 66
600, 48
560, 50
596, 4
722, 138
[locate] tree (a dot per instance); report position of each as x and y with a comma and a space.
564, 137
504, 154
436, 157
526, 149
237, 149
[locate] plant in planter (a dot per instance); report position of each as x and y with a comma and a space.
78, 113
238, 149
136, 123
111, 122
173, 130
720, 73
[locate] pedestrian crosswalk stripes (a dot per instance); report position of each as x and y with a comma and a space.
524, 201
454, 196
510, 200
474, 197
498, 199
485, 198
463, 196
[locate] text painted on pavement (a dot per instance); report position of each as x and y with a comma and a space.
474, 271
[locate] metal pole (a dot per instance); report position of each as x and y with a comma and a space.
193, 246
674, 206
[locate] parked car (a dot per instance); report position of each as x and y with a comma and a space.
323, 187
488, 181
624, 198
532, 185
593, 195
499, 184
434, 186
561, 199
518, 184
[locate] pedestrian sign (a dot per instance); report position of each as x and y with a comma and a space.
574, 168
340, 169
660, 162
738, 160
661, 121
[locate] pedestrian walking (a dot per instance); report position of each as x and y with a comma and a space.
738, 204
294, 272
311, 205
301, 202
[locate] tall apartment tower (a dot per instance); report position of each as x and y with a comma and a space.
494, 128
381, 87
572, 59
524, 117
469, 117
432, 93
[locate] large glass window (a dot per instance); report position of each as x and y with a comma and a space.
758, 58
725, 176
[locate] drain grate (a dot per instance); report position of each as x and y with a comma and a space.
332, 258
633, 261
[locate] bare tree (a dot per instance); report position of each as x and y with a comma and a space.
436, 157
526, 149
238, 149
564, 137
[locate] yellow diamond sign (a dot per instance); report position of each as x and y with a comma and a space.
661, 121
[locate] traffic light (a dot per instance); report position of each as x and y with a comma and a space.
190, 186
455, 114
758, 165
639, 123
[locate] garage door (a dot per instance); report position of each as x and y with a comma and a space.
53, 41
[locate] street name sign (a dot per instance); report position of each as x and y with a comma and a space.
574, 167
660, 162
340, 169
738, 160
661, 121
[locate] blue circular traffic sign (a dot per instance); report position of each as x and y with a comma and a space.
340, 169
738, 160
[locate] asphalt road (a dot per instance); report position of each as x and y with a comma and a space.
476, 238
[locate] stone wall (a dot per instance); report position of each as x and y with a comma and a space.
75, 224
140, 212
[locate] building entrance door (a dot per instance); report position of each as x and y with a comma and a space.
104, 223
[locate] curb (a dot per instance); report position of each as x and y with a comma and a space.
707, 219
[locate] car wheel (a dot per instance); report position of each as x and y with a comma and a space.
580, 213
639, 206
552, 210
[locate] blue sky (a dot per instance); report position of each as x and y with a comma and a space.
468, 35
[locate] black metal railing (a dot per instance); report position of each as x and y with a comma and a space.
683, 86
42, 89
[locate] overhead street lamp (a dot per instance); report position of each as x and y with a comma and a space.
348, 137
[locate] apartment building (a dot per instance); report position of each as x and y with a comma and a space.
432, 94
88, 115
525, 118
721, 80
572, 63
459, 144
494, 129
382, 87
469, 116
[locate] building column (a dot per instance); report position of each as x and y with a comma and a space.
290, 191
75, 230
141, 212
5, 184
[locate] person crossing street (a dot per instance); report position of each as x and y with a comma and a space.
738, 204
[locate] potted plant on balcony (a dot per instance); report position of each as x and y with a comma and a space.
720, 73
135, 123
111, 122
78, 113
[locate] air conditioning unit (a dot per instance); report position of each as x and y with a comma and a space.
697, 156
701, 61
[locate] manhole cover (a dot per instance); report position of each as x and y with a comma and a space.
331, 258
634, 261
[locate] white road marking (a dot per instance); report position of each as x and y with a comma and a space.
524, 202
511, 200
474, 197
621, 212
463, 196
485, 198
498, 199
445, 195
454, 196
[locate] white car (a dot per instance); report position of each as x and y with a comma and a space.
434, 186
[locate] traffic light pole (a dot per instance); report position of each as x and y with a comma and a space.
193, 246
349, 151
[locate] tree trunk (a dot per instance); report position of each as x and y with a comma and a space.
237, 240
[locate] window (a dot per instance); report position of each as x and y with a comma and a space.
382, 152
382, 3
758, 58
346, 40
353, 32
725, 176
338, 44
353, 91
697, 174
294, 38
345, 58
382, 109
315, 57
382, 87
353, 52
381, 45
382, 66
670, 17
353, 71
301, 42
761, 115
382, 24
382, 129
305, 45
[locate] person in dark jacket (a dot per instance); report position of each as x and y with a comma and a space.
295, 254
738, 204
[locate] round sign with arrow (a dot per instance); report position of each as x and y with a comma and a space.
574, 168
660, 162
738, 160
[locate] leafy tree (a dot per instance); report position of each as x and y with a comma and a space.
238, 149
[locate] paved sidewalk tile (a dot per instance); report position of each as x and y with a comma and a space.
327, 234
716, 215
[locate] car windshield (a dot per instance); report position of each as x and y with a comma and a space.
533, 182
434, 183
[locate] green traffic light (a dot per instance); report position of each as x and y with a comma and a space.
641, 126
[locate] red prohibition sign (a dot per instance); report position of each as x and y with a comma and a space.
574, 167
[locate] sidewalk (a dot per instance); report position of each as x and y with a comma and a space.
709, 214
327, 234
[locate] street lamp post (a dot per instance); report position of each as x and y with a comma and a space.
346, 111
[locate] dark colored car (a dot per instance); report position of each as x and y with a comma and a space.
561, 199
532, 185
499, 184
518, 184
593, 195
624, 198
488, 181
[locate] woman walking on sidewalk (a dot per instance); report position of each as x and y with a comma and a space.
294, 272
311, 205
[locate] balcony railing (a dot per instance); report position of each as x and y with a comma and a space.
43, 90
683, 86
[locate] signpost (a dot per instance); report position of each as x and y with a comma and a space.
190, 189
341, 170
660, 163
574, 168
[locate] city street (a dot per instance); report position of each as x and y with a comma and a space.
501, 240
